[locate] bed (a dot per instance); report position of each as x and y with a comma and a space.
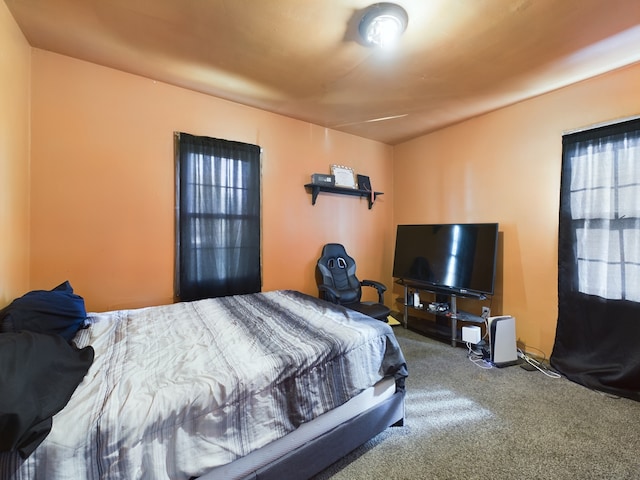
262, 386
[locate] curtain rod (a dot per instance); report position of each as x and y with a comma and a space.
602, 124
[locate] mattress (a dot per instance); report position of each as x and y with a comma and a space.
178, 390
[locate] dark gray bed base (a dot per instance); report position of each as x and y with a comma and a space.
316, 455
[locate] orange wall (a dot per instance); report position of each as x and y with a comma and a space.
92, 202
102, 185
505, 167
15, 74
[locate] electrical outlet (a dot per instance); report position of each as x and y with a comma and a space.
486, 312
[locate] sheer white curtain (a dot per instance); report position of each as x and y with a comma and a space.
605, 206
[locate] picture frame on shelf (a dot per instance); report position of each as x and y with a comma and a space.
344, 176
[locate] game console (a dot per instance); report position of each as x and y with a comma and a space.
502, 340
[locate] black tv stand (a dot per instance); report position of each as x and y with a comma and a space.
451, 315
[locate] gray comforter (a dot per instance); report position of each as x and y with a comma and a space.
179, 389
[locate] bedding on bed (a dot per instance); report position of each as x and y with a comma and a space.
176, 390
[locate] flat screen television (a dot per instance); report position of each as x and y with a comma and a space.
458, 259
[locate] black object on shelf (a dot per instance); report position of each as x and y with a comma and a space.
316, 189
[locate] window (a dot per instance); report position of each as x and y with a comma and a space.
604, 201
218, 217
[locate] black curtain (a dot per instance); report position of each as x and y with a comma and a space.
597, 340
218, 217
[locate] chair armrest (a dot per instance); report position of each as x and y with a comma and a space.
381, 288
330, 293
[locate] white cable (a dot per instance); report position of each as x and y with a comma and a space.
538, 365
477, 359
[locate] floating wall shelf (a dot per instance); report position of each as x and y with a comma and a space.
316, 189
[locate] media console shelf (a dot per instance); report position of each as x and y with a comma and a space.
452, 315
316, 189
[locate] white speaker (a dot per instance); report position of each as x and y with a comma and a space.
502, 339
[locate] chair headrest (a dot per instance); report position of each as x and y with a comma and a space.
334, 250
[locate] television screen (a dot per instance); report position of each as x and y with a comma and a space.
449, 258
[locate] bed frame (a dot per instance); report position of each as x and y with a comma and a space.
320, 453
324, 448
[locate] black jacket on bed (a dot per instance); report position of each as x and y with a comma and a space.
39, 367
38, 374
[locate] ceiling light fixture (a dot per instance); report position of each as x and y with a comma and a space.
382, 24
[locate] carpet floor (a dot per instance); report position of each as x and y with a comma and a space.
467, 422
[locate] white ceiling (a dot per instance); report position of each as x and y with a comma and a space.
301, 58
